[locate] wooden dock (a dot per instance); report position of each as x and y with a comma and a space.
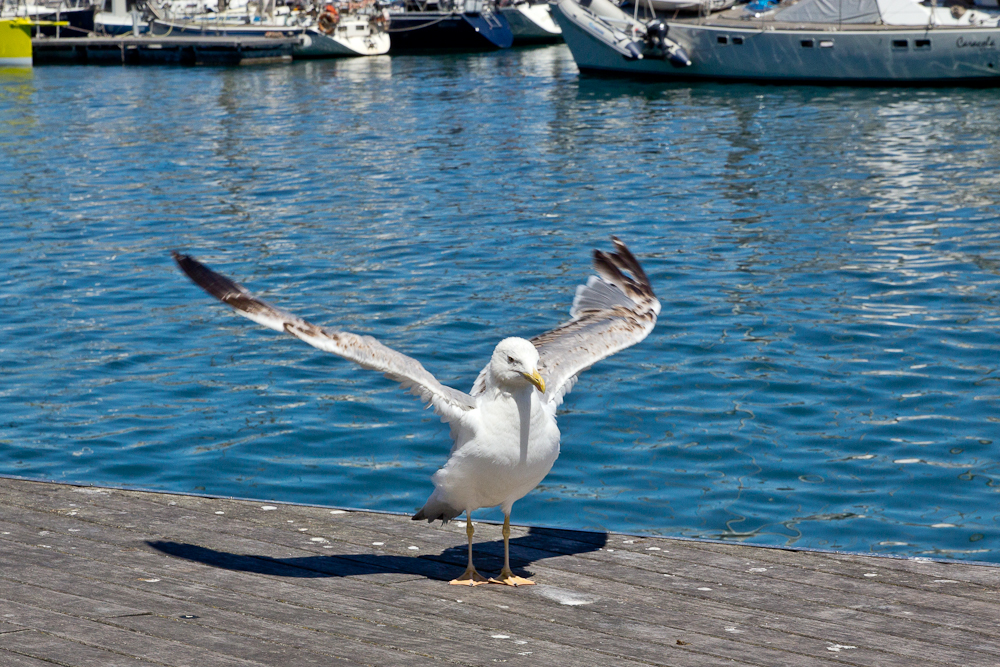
101, 577
165, 50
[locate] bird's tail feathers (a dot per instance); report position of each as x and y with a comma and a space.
436, 509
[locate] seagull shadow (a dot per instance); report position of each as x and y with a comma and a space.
538, 544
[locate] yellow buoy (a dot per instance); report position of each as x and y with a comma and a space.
15, 42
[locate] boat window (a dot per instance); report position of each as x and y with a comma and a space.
722, 39
922, 43
807, 43
737, 40
826, 44
900, 43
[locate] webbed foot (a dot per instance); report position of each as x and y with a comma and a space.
469, 578
510, 579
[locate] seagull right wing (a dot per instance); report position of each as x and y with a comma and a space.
614, 310
365, 351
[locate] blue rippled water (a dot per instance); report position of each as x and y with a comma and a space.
824, 374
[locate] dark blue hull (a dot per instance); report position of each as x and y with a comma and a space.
449, 31
81, 22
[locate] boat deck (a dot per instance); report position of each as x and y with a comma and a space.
95, 576
738, 18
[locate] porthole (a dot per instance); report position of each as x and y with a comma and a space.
808, 43
722, 39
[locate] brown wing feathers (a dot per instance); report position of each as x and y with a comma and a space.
610, 265
216, 284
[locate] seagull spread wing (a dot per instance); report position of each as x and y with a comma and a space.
365, 351
614, 310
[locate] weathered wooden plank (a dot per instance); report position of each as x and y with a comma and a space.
241, 642
285, 624
34, 649
104, 637
9, 659
6, 626
978, 581
16, 591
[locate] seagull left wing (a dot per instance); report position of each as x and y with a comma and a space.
365, 351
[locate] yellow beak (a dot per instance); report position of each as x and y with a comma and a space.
536, 380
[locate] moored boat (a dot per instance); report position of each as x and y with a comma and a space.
15, 42
119, 17
531, 22
448, 25
342, 29
816, 41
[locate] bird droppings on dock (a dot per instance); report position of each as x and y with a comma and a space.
565, 597
153, 578
836, 648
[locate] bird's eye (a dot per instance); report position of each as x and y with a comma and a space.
510, 360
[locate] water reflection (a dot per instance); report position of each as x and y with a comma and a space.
17, 89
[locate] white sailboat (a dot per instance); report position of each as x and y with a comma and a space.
822, 41
334, 29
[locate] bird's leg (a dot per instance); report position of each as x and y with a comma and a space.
470, 577
506, 576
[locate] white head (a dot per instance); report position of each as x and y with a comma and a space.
515, 364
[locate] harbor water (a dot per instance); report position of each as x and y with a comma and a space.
824, 373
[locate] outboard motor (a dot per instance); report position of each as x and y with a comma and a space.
656, 34
667, 49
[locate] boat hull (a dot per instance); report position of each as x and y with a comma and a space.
449, 31
80, 19
895, 56
15, 43
110, 24
355, 38
532, 23
351, 37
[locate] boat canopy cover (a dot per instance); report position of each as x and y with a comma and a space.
889, 12
830, 11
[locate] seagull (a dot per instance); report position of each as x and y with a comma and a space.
504, 432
